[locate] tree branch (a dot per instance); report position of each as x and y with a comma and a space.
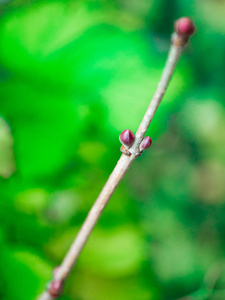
178, 41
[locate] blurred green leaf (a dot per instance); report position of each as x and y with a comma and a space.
115, 252
7, 165
25, 273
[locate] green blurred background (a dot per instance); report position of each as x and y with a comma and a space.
74, 74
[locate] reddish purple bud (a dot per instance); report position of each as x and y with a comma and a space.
184, 26
55, 288
127, 137
146, 143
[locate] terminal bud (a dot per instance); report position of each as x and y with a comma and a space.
184, 26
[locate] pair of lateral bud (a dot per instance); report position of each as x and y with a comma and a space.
127, 138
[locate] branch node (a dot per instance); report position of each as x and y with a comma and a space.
125, 151
55, 288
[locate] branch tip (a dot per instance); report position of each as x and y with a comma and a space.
183, 29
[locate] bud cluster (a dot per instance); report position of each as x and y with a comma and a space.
127, 139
